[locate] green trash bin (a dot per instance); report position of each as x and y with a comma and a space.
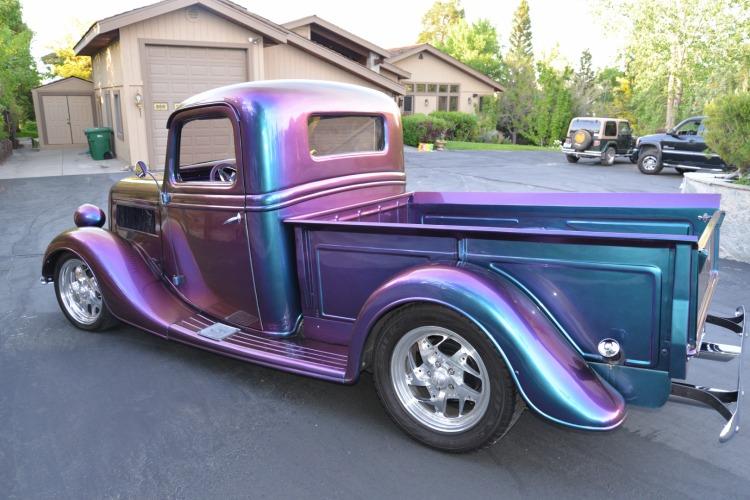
100, 142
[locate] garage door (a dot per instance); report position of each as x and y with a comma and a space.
176, 73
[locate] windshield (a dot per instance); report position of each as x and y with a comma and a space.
590, 124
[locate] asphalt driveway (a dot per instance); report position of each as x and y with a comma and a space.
127, 415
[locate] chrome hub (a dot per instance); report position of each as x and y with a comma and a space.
79, 292
440, 379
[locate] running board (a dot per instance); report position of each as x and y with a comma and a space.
296, 355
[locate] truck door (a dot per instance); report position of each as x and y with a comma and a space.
205, 243
711, 159
685, 146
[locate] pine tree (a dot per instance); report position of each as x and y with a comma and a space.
520, 35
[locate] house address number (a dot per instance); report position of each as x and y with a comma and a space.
161, 106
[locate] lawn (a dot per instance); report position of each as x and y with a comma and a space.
484, 146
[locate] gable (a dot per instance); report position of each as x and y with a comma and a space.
433, 69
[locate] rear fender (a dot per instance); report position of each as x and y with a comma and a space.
132, 292
550, 374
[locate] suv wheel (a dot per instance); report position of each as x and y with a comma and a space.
608, 156
571, 158
649, 162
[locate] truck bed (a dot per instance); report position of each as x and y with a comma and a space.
589, 260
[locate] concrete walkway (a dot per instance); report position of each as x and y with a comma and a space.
26, 162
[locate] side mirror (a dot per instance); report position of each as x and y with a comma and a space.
141, 169
673, 133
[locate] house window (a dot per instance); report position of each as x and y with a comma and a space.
446, 96
408, 104
344, 134
108, 109
118, 116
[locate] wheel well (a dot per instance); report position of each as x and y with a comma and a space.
48, 266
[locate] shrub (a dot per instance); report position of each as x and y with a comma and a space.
422, 128
461, 126
728, 129
28, 129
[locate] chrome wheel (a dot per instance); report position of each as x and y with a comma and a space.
440, 379
79, 292
650, 163
609, 156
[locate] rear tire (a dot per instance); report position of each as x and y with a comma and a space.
79, 296
649, 161
608, 156
572, 158
422, 395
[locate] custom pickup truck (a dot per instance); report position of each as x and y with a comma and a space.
282, 234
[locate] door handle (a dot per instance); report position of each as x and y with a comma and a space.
232, 220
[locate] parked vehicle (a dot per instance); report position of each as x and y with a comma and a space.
604, 139
282, 234
682, 148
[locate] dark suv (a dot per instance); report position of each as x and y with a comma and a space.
604, 139
682, 148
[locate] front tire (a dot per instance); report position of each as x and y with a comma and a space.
441, 380
649, 162
79, 296
571, 158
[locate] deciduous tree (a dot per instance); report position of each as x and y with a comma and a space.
63, 62
438, 20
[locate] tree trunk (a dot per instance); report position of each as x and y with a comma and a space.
514, 136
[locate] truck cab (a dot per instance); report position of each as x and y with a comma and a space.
281, 233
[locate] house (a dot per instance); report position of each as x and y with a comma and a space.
433, 80
439, 82
146, 61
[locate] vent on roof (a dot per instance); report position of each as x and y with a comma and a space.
421, 56
193, 13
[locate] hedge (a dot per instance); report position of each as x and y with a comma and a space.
422, 128
461, 126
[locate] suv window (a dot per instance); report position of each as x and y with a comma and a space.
610, 129
343, 134
625, 128
590, 124
689, 128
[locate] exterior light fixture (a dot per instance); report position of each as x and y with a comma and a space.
139, 102
426, 102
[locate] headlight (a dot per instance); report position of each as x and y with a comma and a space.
638, 142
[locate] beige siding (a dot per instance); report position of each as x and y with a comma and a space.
431, 69
389, 75
107, 75
303, 31
175, 26
284, 61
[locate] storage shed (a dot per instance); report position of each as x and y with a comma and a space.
63, 109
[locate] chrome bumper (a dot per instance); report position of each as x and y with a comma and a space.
721, 399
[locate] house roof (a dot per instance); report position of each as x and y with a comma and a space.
401, 53
305, 21
60, 80
105, 31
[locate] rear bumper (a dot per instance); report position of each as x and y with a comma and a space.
727, 402
593, 153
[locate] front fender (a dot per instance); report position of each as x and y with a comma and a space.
132, 292
550, 374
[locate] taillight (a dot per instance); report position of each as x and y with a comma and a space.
597, 142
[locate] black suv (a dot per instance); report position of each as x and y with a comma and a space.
682, 148
603, 139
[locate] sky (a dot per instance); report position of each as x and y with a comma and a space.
567, 27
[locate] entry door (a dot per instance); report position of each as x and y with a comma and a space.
81, 117
57, 119
66, 117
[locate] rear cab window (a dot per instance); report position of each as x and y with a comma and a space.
331, 135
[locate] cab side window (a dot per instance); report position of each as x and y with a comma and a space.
610, 129
689, 128
625, 128
206, 150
